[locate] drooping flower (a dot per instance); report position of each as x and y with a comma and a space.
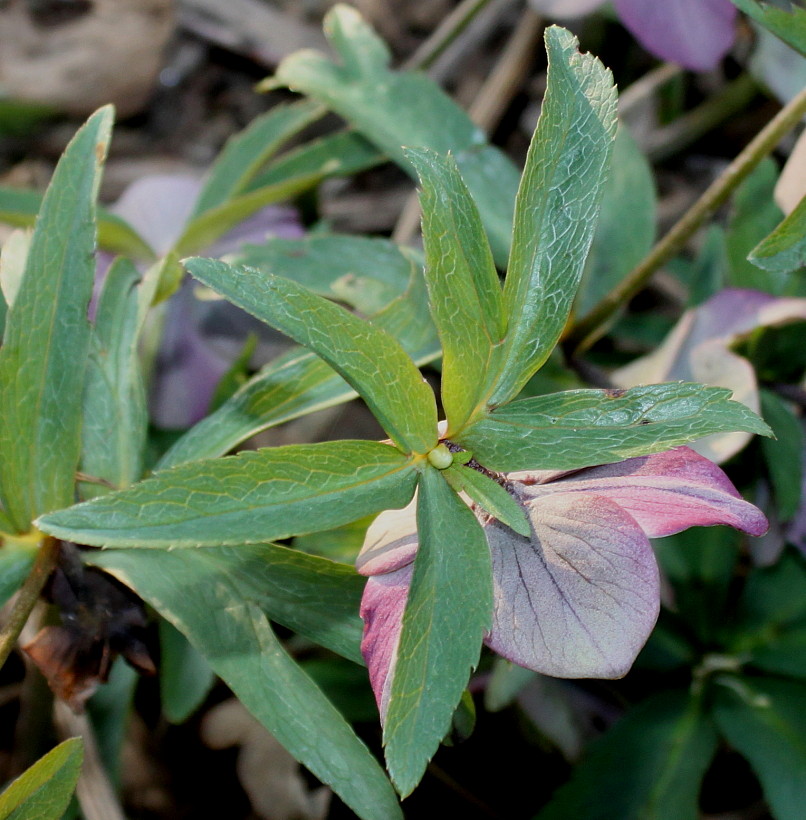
694, 33
698, 349
579, 597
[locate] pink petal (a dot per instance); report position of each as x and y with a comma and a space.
694, 33
382, 609
580, 597
390, 542
664, 493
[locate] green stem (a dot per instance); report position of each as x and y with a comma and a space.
447, 31
586, 331
28, 595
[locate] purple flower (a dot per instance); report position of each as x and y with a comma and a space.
193, 358
580, 596
694, 33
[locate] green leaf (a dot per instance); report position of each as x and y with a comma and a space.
248, 498
315, 597
204, 229
665, 743
394, 109
44, 791
489, 495
449, 609
364, 355
556, 208
185, 676
619, 244
246, 151
764, 720
753, 216
789, 24
582, 428
268, 399
233, 634
47, 337
784, 250
782, 454
16, 560
463, 287
337, 155
20, 207
770, 626
115, 415
364, 273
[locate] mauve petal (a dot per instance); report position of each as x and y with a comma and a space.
382, 607
390, 542
696, 34
158, 207
578, 599
274, 220
664, 493
565, 9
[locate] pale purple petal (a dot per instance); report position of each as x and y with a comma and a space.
390, 542
187, 369
697, 34
580, 597
382, 607
158, 207
664, 493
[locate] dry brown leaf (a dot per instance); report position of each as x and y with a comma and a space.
269, 775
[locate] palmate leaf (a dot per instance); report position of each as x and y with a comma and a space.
665, 743
47, 337
582, 428
361, 272
448, 611
224, 620
248, 498
44, 791
393, 109
368, 358
556, 208
463, 287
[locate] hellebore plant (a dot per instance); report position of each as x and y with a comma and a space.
557, 525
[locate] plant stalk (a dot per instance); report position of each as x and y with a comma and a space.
447, 31
28, 595
592, 326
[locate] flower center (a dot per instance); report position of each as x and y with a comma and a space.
440, 457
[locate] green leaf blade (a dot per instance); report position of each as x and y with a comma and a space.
47, 336
44, 791
368, 358
224, 623
789, 25
393, 109
464, 291
666, 743
784, 250
115, 415
251, 497
556, 208
449, 610
764, 720
583, 428
245, 152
